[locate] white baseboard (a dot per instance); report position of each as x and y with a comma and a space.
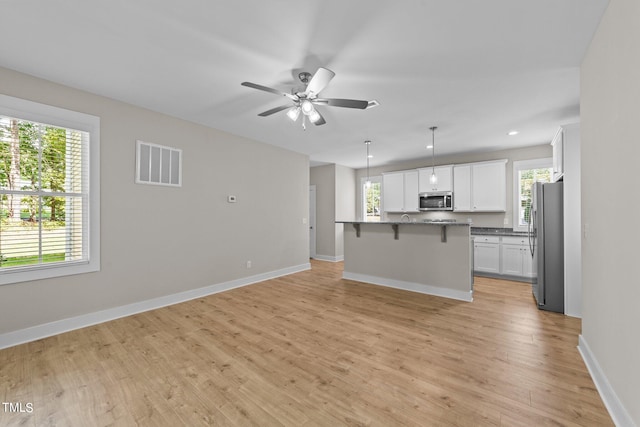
410, 286
45, 330
616, 409
329, 258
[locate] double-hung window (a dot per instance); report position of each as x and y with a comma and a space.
49, 191
371, 198
525, 173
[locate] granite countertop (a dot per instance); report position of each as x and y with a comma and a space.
490, 231
406, 223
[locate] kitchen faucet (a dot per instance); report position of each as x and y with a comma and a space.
405, 216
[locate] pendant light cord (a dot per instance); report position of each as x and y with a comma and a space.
367, 143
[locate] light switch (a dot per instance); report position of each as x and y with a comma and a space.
231, 199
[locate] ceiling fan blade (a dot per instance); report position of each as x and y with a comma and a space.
268, 89
319, 81
337, 102
274, 110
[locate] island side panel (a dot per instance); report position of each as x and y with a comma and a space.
417, 261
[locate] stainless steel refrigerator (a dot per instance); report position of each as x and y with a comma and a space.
546, 245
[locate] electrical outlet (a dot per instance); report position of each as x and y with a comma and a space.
506, 221
248, 264
304, 220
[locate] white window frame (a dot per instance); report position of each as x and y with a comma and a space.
55, 116
519, 165
363, 193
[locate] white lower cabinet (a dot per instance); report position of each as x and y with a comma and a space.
486, 254
506, 256
516, 256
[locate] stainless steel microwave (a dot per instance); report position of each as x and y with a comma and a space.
436, 201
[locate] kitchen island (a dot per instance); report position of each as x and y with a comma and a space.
428, 257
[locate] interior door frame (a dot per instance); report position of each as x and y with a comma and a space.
312, 221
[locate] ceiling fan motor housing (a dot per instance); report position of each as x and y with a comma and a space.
304, 77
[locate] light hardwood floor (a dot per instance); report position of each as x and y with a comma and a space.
311, 349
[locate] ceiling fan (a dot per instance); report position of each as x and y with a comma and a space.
305, 101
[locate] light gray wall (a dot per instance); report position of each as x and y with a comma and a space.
479, 219
572, 222
345, 203
335, 195
157, 241
610, 154
324, 178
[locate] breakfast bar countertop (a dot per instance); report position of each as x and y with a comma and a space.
406, 223
497, 231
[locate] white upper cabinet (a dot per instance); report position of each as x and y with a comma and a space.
393, 191
480, 187
444, 182
489, 186
400, 191
462, 188
411, 195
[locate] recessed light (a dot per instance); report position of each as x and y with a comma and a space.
513, 133
429, 147
370, 156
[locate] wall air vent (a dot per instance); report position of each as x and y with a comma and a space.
158, 165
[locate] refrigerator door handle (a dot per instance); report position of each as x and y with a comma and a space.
532, 227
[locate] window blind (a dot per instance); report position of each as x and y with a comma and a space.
44, 195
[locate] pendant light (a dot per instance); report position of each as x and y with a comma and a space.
368, 181
434, 177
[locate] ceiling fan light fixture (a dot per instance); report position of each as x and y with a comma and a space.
314, 116
304, 101
293, 113
307, 107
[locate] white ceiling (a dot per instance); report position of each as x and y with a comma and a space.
476, 69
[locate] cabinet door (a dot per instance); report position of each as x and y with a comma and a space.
486, 257
445, 179
462, 188
489, 187
393, 192
443, 175
512, 260
411, 197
